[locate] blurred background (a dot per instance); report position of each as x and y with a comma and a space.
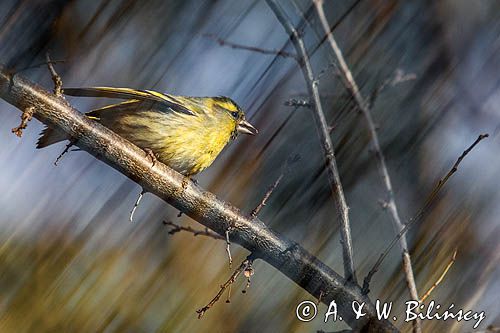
70, 260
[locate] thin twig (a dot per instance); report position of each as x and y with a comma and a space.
270, 191
324, 133
324, 71
55, 77
441, 277
248, 272
295, 102
352, 87
455, 166
40, 64
489, 329
421, 212
136, 204
318, 302
247, 262
66, 149
399, 77
223, 42
178, 228
59, 93
286, 169
228, 298
26, 116
228, 249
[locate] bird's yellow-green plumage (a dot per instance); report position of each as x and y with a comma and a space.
186, 133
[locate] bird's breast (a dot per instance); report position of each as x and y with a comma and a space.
188, 144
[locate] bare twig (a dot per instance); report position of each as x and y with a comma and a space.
26, 116
55, 77
223, 42
270, 191
136, 204
228, 249
285, 255
286, 169
441, 277
399, 77
318, 302
421, 212
325, 71
40, 64
178, 228
228, 298
59, 93
243, 267
295, 102
324, 133
454, 168
352, 87
66, 150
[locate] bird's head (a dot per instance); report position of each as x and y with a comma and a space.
227, 108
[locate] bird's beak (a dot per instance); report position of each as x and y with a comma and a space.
245, 127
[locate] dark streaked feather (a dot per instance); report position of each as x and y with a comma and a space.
126, 93
50, 136
127, 105
106, 116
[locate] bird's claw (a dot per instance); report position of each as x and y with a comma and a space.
185, 182
152, 155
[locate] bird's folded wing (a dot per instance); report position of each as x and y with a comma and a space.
127, 93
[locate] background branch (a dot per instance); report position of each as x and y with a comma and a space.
324, 134
421, 212
352, 87
223, 42
246, 264
288, 257
178, 228
440, 279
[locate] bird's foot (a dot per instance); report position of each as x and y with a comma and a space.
185, 181
152, 155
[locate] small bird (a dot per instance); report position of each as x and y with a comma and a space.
185, 133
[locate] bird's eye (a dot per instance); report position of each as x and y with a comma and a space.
235, 114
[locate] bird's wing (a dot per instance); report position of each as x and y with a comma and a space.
127, 93
123, 106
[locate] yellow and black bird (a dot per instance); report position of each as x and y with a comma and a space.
185, 133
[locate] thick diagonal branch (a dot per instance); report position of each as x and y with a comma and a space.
351, 85
287, 256
324, 134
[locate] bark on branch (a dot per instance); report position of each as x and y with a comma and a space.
288, 257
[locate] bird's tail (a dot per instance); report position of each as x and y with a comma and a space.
50, 136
